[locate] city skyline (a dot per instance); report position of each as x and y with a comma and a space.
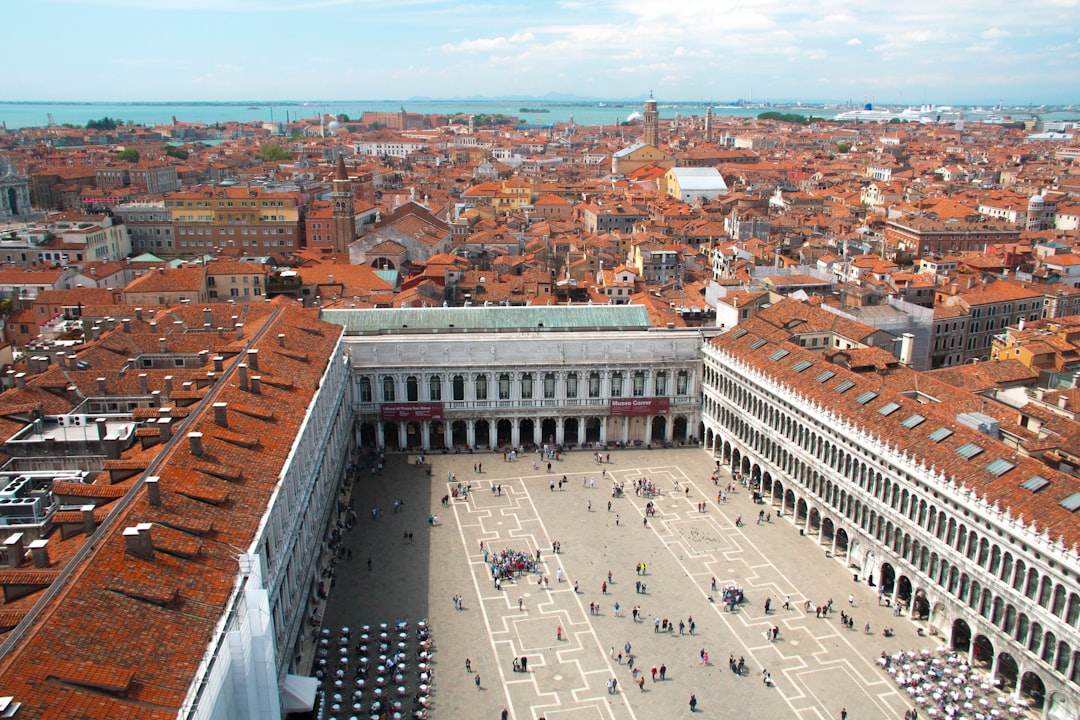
960, 52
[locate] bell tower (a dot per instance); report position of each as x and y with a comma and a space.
343, 223
652, 122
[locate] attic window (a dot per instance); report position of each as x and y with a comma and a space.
801, 365
1035, 483
999, 467
1071, 503
939, 435
889, 408
866, 397
845, 386
779, 354
913, 422
758, 343
825, 376
738, 332
968, 450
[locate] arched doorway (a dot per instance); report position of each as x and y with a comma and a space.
828, 530
888, 578
527, 432
459, 433
789, 501
800, 511
841, 542
390, 435
570, 431
659, 429
547, 431
367, 435
592, 430
436, 434
413, 438
903, 590
982, 651
503, 429
678, 430
961, 635
725, 454
483, 433
1007, 672
920, 606
766, 484
1031, 687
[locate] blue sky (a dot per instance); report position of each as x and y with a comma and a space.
905, 51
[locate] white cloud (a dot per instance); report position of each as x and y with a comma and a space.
488, 44
854, 41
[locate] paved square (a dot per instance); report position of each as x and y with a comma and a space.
817, 667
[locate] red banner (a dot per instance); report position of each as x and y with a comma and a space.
640, 406
412, 411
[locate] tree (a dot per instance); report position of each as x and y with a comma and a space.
105, 123
843, 148
128, 155
272, 152
176, 152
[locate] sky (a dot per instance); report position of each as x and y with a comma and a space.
904, 51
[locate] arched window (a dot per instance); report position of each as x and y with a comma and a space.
526, 386
365, 389
594, 384
435, 388
682, 383
549, 386
412, 388
639, 383
661, 384
481, 387
459, 387
616, 384
571, 385
504, 386
387, 389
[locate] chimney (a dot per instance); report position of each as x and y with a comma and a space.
20, 380
102, 426
1063, 401
110, 323
195, 443
218, 363
253, 359
89, 526
168, 386
243, 376
153, 490
15, 551
127, 325
138, 313
208, 316
95, 332
100, 386
72, 361
907, 348
281, 339
164, 425
72, 394
221, 414
144, 384
239, 331
137, 541
161, 345
39, 551
256, 384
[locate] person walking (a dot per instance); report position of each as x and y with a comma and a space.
693, 702
468, 665
476, 681
663, 671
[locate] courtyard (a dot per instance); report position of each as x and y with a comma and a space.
419, 565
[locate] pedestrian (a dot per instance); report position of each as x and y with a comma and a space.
609, 506
369, 564
690, 622
616, 519
653, 671
787, 602
505, 714
641, 683
843, 713
693, 702
558, 633
476, 680
851, 600
590, 506
468, 665
520, 603
575, 587
663, 670
603, 588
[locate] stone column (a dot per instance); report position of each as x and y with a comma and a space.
648, 428
380, 434
603, 429
669, 428
425, 435
470, 432
624, 433
493, 436
559, 430
515, 432
581, 432
403, 435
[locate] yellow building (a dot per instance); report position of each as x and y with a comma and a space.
235, 221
